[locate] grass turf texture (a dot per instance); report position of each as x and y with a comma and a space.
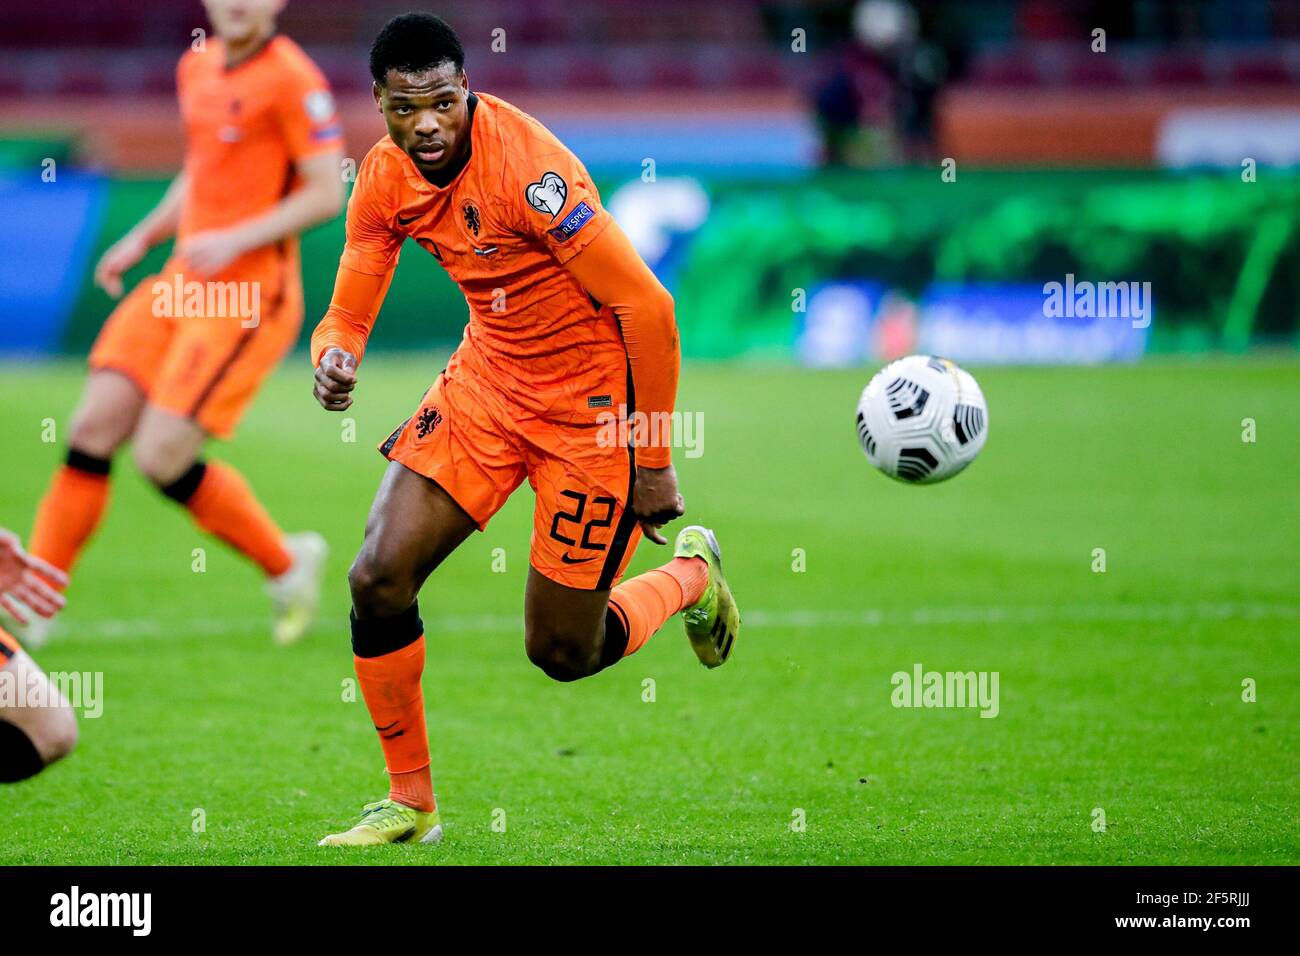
1120, 690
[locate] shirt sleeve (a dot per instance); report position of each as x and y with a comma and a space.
308, 117
371, 246
555, 200
351, 316
370, 253
612, 272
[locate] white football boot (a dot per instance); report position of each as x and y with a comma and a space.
295, 595
32, 635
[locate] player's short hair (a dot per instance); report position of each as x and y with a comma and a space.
413, 43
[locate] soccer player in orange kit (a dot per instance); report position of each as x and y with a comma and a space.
566, 323
262, 163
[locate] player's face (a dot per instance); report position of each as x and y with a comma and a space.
238, 20
427, 115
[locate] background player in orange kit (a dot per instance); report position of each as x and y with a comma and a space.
566, 323
263, 147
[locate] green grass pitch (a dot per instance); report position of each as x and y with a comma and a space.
1119, 690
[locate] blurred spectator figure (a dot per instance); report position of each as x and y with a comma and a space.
877, 107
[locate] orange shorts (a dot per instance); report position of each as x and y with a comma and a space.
206, 367
8, 646
478, 446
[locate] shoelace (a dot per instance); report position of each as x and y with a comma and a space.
385, 813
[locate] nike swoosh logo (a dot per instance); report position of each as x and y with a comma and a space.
389, 727
408, 220
568, 560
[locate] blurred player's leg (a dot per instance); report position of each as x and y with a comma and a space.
123, 363
166, 448
78, 493
413, 525
77, 496
41, 728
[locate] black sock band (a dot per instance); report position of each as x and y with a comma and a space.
183, 488
615, 646
19, 758
91, 465
378, 636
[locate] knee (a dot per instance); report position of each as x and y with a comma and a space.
561, 656
378, 588
160, 460
59, 737
90, 434
108, 413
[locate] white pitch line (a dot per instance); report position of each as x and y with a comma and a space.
1026, 615
763, 618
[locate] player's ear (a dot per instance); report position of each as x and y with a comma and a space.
377, 92
464, 80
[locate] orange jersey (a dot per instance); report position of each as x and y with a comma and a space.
245, 129
503, 229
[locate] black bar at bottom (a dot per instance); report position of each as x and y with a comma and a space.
302, 904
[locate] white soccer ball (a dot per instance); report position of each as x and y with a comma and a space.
922, 419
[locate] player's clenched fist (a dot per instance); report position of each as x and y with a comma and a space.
336, 377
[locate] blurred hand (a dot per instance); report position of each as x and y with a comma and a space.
116, 260
656, 501
336, 377
26, 578
210, 251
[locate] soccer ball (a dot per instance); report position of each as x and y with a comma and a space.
922, 419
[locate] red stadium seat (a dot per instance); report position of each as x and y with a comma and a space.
1096, 69
1261, 71
590, 73
1006, 69
1178, 69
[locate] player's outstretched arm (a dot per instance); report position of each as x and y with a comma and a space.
154, 228
366, 269
610, 269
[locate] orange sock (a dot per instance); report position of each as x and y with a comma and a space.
390, 684
223, 504
648, 600
70, 511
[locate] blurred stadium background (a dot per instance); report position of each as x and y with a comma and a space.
779, 163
